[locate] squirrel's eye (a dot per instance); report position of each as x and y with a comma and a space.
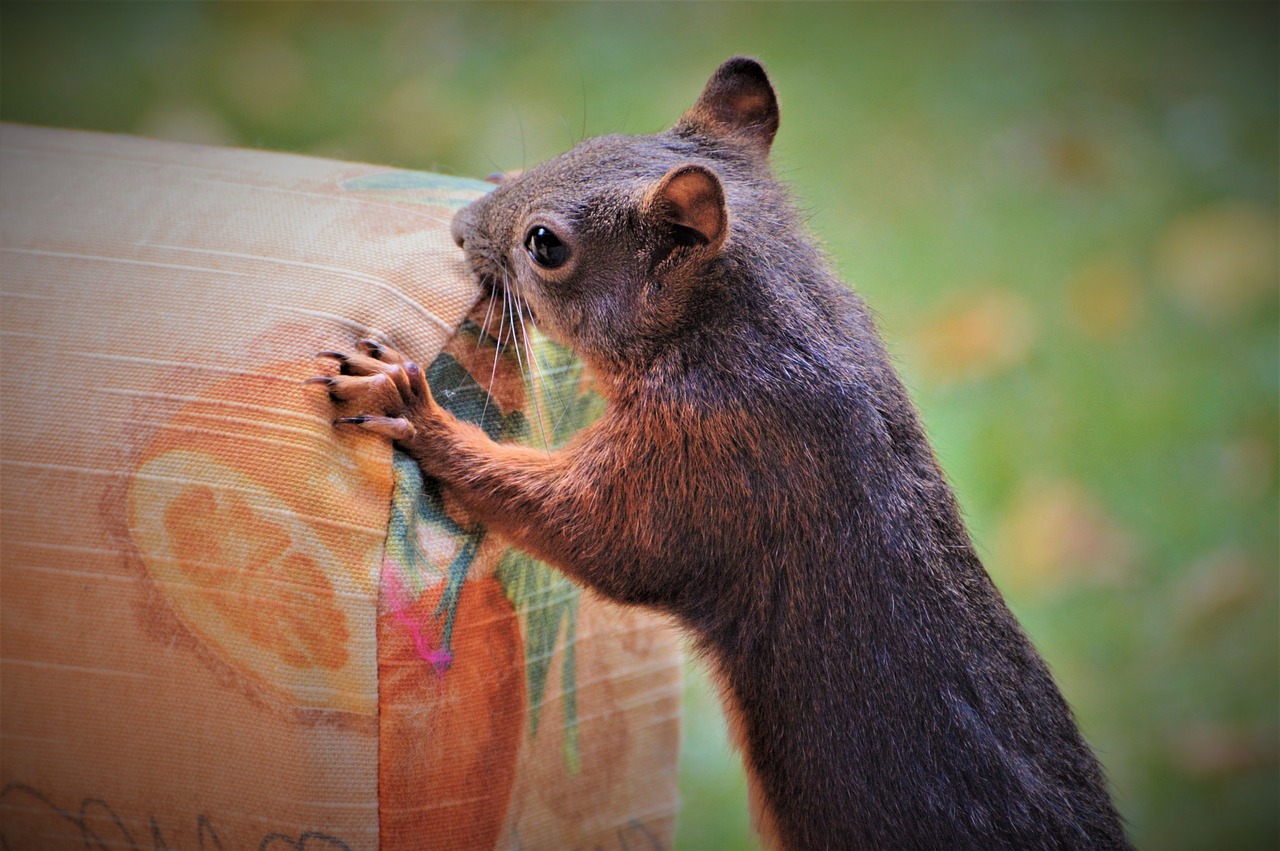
545, 248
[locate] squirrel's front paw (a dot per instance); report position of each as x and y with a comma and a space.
389, 392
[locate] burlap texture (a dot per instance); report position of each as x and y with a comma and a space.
227, 625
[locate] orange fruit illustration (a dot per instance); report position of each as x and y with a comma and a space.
264, 533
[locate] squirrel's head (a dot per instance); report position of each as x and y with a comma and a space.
619, 244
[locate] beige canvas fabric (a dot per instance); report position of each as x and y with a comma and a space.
224, 623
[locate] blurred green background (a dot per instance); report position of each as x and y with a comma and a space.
1065, 216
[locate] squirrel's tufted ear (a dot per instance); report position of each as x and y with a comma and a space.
738, 101
690, 198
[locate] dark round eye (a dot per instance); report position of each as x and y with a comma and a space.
545, 248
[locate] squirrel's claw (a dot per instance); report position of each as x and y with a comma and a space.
379, 382
395, 428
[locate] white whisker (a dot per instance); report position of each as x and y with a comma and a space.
512, 312
533, 379
484, 332
488, 315
497, 349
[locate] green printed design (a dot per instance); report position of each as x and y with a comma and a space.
545, 600
560, 405
419, 187
457, 391
557, 405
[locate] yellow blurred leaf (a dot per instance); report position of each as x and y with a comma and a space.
1104, 298
1074, 158
1215, 750
1055, 534
1215, 589
1222, 260
976, 335
1247, 467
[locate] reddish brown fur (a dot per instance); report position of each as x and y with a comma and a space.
760, 474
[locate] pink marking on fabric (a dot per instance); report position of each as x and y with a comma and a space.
438, 657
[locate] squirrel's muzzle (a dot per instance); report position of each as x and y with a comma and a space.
460, 226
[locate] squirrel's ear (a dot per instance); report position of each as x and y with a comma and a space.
739, 101
690, 198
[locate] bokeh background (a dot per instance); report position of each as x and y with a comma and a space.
1065, 216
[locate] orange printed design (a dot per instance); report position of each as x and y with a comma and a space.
450, 732
235, 555
263, 533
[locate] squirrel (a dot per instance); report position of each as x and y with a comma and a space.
759, 474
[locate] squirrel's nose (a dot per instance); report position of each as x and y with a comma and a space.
460, 225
